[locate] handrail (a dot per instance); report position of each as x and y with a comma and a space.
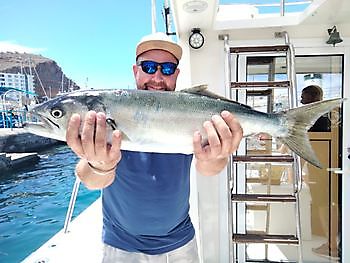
71, 205
15, 118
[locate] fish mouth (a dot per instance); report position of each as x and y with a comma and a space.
45, 127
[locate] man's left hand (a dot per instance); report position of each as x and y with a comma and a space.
224, 134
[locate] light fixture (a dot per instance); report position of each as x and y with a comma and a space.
196, 39
195, 6
334, 37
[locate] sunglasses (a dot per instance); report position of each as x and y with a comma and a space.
151, 67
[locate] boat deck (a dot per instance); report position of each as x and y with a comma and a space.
82, 243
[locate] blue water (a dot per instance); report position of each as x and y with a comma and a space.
34, 201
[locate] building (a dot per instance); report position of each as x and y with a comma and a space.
22, 83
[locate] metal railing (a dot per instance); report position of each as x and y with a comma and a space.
14, 118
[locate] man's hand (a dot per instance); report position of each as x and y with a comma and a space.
91, 145
224, 135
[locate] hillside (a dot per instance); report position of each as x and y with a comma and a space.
47, 70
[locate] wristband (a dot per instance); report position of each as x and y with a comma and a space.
100, 171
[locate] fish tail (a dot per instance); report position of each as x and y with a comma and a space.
299, 121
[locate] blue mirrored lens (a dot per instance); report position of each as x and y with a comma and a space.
150, 67
168, 68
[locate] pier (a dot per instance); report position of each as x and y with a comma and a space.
19, 148
17, 140
15, 161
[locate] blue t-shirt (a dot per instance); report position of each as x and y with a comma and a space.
146, 208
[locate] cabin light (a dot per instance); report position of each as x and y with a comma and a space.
196, 39
195, 6
334, 37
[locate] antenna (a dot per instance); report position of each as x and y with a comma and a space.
154, 14
167, 18
62, 80
37, 75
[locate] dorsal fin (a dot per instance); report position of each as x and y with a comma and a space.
203, 91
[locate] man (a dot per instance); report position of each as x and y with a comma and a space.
313, 93
310, 94
145, 196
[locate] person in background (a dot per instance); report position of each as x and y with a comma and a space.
145, 196
310, 94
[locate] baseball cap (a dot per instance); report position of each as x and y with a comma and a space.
161, 41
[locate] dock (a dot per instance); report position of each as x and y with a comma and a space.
18, 148
18, 140
15, 161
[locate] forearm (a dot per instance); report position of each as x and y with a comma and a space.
211, 167
92, 179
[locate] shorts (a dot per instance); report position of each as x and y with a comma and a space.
185, 254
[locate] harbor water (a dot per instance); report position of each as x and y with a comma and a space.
34, 202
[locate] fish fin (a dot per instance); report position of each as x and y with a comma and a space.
299, 121
195, 89
113, 125
202, 90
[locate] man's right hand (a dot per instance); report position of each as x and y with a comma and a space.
91, 144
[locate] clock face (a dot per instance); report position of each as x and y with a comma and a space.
196, 40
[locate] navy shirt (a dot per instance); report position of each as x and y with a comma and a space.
146, 208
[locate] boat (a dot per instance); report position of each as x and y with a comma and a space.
233, 47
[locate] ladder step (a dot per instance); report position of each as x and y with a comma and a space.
269, 261
263, 158
275, 198
262, 49
256, 180
267, 239
260, 84
257, 207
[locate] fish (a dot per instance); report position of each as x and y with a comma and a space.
163, 121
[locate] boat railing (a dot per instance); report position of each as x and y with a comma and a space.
15, 118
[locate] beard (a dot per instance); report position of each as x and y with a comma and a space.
155, 85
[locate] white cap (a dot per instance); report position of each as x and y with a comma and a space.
161, 41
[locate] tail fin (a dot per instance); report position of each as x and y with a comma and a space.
299, 121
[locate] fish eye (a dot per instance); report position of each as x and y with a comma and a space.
57, 113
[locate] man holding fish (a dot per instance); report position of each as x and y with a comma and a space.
145, 195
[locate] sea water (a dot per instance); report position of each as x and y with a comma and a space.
34, 201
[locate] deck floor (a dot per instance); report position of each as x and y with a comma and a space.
82, 243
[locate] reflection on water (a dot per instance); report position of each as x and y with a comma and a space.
34, 201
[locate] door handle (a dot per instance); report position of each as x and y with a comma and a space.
337, 171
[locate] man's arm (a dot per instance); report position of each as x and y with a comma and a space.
97, 167
224, 135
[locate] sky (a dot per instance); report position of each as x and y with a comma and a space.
92, 41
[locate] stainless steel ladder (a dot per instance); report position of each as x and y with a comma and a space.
238, 194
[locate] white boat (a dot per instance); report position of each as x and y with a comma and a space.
323, 217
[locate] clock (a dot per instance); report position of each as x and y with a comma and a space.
196, 39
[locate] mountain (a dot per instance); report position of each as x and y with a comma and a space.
47, 74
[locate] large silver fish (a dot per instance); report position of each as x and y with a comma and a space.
166, 121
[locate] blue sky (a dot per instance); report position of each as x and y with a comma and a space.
92, 40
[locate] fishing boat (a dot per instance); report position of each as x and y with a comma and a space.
269, 205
